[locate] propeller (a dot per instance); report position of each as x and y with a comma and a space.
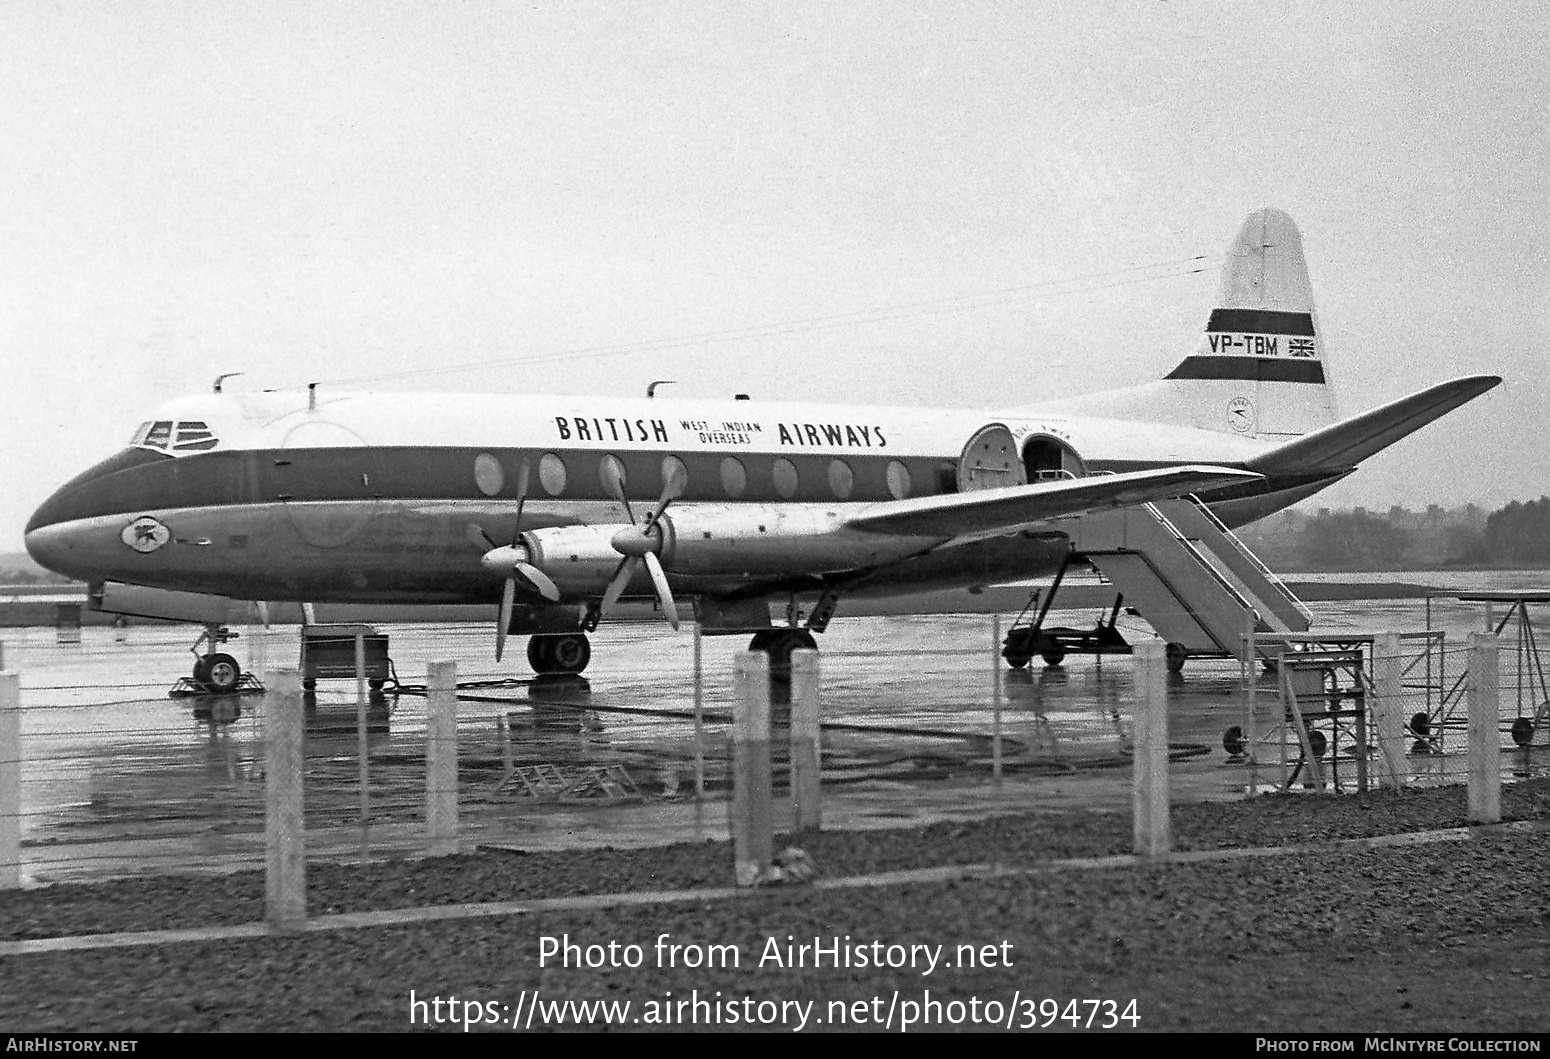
641, 542
513, 562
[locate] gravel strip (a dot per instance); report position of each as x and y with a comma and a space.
168, 902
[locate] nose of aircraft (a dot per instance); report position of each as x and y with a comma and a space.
51, 548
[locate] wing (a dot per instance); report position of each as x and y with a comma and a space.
991, 512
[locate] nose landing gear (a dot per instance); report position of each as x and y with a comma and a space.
216, 673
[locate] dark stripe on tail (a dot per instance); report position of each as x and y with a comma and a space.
1260, 322
1254, 369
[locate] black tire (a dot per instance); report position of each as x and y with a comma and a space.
1176, 654
1522, 731
1052, 656
222, 674
1016, 661
539, 654
569, 653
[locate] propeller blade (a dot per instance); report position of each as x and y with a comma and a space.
664, 593
522, 476
480, 538
672, 489
622, 578
503, 622
539, 581
611, 474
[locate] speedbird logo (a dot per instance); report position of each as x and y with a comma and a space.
145, 534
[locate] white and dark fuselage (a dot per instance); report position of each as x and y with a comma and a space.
368, 497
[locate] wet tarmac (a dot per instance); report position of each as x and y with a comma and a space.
119, 778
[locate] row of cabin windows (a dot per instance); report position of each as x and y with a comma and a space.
553, 476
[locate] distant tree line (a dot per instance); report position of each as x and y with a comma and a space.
1401, 539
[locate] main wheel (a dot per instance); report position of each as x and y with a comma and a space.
558, 653
570, 653
540, 654
1052, 656
221, 674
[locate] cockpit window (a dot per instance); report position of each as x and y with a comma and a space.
177, 438
159, 435
194, 437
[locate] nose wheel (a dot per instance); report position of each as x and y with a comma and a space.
218, 673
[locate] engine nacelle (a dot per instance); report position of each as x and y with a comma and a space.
771, 539
580, 560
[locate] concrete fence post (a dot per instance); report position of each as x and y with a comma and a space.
806, 744
441, 758
1485, 741
752, 810
362, 748
995, 699
699, 715
285, 879
1388, 711
1153, 833
10, 781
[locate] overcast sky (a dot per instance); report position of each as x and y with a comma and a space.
311, 191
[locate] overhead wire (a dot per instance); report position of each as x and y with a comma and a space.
1156, 271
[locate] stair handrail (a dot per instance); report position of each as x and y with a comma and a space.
1248, 553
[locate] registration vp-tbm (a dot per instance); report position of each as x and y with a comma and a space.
553, 509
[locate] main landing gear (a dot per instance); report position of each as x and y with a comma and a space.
778, 644
558, 654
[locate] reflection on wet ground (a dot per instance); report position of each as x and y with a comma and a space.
119, 778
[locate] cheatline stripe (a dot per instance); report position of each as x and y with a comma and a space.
1254, 369
1260, 322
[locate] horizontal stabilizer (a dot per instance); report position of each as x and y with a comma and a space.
991, 512
1343, 445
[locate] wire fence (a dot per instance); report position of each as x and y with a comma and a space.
117, 776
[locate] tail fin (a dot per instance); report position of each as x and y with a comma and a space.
1259, 369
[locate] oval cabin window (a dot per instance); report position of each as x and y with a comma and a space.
842, 480
898, 480
734, 479
551, 473
488, 475
785, 475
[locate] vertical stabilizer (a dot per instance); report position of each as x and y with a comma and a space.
1259, 370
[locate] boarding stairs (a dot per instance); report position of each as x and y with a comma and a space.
1188, 575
